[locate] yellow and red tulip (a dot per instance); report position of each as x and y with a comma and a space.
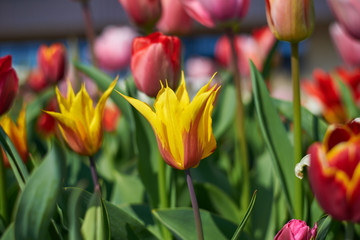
9, 83
17, 134
334, 172
79, 122
52, 61
183, 129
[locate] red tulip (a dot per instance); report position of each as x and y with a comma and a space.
348, 47
155, 58
46, 124
113, 47
144, 13
111, 117
334, 172
36, 80
347, 13
52, 61
296, 230
174, 19
352, 79
9, 84
216, 12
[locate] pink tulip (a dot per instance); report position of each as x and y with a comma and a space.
347, 13
216, 12
296, 230
174, 19
9, 83
144, 13
113, 47
348, 47
155, 58
255, 47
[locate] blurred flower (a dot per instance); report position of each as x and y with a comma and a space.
46, 124
113, 47
216, 12
144, 13
79, 123
36, 80
183, 130
155, 58
296, 230
348, 47
111, 117
347, 13
174, 19
255, 47
352, 79
323, 89
9, 83
199, 69
17, 134
290, 21
52, 61
334, 172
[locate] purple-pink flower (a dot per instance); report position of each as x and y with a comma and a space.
296, 230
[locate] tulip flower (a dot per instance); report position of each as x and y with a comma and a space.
46, 124
113, 47
334, 172
216, 12
296, 230
79, 122
183, 129
17, 134
52, 61
290, 21
9, 84
255, 47
347, 12
348, 47
351, 77
174, 19
155, 57
111, 117
144, 13
36, 80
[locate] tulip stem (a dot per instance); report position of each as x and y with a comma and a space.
349, 231
240, 123
295, 72
163, 200
94, 175
3, 203
195, 206
89, 27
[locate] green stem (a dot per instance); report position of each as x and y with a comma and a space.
240, 119
3, 202
163, 200
94, 175
195, 206
295, 72
349, 231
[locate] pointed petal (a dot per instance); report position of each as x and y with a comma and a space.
182, 93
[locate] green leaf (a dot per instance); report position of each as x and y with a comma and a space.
313, 125
275, 136
127, 189
181, 222
39, 198
95, 225
74, 216
347, 98
33, 109
246, 217
267, 63
17, 165
323, 228
9, 234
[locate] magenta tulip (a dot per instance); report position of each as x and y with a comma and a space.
296, 230
155, 58
9, 83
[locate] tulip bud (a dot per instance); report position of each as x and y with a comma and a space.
296, 230
36, 80
144, 13
334, 172
347, 12
111, 117
216, 12
9, 84
291, 21
46, 124
52, 61
155, 58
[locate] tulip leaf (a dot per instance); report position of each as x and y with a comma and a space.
74, 215
39, 198
323, 228
34, 108
313, 125
17, 165
267, 63
347, 98
275, 136
9, 233
127, 189
96, 223
246, 217
181, 222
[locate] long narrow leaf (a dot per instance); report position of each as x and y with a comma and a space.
347, 98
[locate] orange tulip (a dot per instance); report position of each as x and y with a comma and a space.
52, 61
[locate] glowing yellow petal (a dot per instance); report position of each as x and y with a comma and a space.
182, 93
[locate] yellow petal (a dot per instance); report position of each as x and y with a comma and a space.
182, 93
